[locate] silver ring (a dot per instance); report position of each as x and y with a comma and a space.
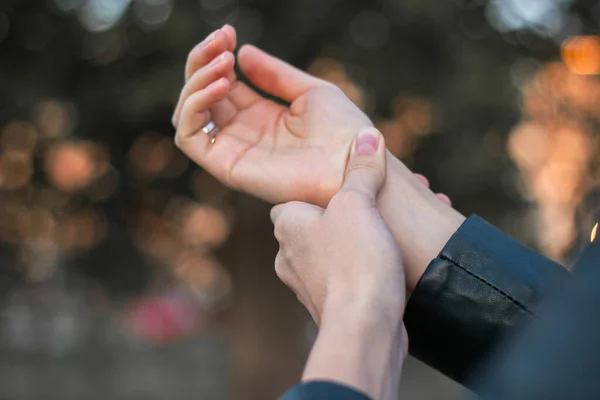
211, 130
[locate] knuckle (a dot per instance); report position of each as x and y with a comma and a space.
177, 139
288, 225
329, 88
185, 108
360, 166
283, 229
180, 139
282, 268
335, 90
279, 232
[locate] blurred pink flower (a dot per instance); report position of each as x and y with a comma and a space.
161, 319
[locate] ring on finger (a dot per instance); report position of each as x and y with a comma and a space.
211, 130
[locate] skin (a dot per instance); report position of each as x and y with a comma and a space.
296, 153
262, 143
302, 153
353, 286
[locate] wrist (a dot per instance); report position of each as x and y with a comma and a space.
360, 344
364, 308
420, 222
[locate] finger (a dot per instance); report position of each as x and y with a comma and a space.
215, 44
219, 67
275, 76
287, 274
231, 36
231, 45
445, 199
290, 218
194, 114
423, 180
365, 171
242, 97
296, 208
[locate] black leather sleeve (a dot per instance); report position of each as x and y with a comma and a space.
322, 391
482, 284
556, 356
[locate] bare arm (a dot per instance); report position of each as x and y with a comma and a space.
420, 222
343, 264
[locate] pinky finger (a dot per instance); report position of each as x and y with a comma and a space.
445, 199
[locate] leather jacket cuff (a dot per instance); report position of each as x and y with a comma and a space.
481, 285
321, 390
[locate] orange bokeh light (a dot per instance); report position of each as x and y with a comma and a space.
72, 166
581, 54
203, 225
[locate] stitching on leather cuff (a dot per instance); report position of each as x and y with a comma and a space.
506, 295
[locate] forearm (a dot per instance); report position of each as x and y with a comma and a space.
420, 222
359, 346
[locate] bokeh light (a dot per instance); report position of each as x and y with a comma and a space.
554, 146
412, 118
203, 225
581, 54
55, 118
72, 166
113, 242
102, 15
543, 16
153, 13
334, 71
152, 154
160, 319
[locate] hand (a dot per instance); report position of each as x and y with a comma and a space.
274, 152
344, 266
346, 252
299, 152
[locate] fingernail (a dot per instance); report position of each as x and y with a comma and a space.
367, 142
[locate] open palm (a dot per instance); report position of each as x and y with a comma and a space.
275, 152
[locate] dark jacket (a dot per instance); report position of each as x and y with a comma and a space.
557, 356
482, 285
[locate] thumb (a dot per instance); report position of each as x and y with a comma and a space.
274, 76
365, 171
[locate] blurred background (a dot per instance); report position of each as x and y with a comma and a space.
127, 272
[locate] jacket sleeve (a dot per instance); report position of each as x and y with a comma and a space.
556, 356
322, 391
482, 284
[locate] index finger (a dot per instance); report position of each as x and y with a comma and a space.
215, 44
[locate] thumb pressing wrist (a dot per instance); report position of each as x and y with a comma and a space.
365, 170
